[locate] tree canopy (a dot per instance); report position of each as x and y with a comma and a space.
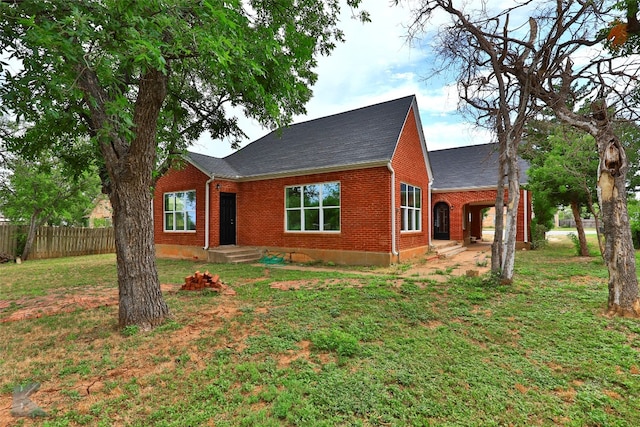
38, 192
73, 59
142, 80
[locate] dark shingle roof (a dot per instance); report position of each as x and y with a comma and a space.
212, 165
364, 136
474, 166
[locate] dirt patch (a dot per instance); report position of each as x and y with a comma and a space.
288, 285
143, 364
69, 301
475, 261
56, 302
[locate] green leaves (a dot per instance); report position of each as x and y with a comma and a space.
258, 55
43, 190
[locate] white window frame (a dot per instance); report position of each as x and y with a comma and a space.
320, 207
411, 215
183, 211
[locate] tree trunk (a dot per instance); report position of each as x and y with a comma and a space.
31, 235
596, 216
129, 157
140, 297
584, 249
513, 181
141, 301
619, 253
496, 248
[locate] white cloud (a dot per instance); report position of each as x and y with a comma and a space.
441, 135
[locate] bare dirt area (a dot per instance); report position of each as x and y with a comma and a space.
476, 260
59, 302
63, 302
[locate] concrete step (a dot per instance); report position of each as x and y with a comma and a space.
442, 244
450, 251
234, 255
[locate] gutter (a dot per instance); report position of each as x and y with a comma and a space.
394, 249
207, 212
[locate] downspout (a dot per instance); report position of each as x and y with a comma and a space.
430, 212
526, 215
207, 212
394, 248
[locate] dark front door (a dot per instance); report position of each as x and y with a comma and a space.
227, 219
441, 221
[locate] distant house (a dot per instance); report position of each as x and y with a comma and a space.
102, 213
353, 188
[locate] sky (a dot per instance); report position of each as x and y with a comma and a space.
376, 64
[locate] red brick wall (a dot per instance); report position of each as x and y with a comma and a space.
410, 168
457, 214
188, 178
364, 211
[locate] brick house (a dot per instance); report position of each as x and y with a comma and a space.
465, 184
350, 188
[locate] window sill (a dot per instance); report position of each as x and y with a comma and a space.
315, 233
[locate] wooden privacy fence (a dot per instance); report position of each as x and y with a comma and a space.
56, 242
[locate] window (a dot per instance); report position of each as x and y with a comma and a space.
180, 211
410, 207
313, 207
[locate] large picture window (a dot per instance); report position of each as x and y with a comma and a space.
313, 207
180, 211
411, 208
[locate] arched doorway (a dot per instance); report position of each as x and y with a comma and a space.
441, 221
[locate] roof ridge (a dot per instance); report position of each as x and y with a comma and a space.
464, 146
377, 104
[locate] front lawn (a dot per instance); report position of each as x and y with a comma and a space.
325, 348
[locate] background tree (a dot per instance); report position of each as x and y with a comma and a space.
563, 170
558, 36
564, 163
142, 80
36, 193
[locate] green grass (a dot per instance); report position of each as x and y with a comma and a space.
348, 349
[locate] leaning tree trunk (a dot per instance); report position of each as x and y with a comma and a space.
582, 239
619, 253
31, 234
596, 217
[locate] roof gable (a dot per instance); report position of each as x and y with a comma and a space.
362, 137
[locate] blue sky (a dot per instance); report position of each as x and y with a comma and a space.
376, 64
